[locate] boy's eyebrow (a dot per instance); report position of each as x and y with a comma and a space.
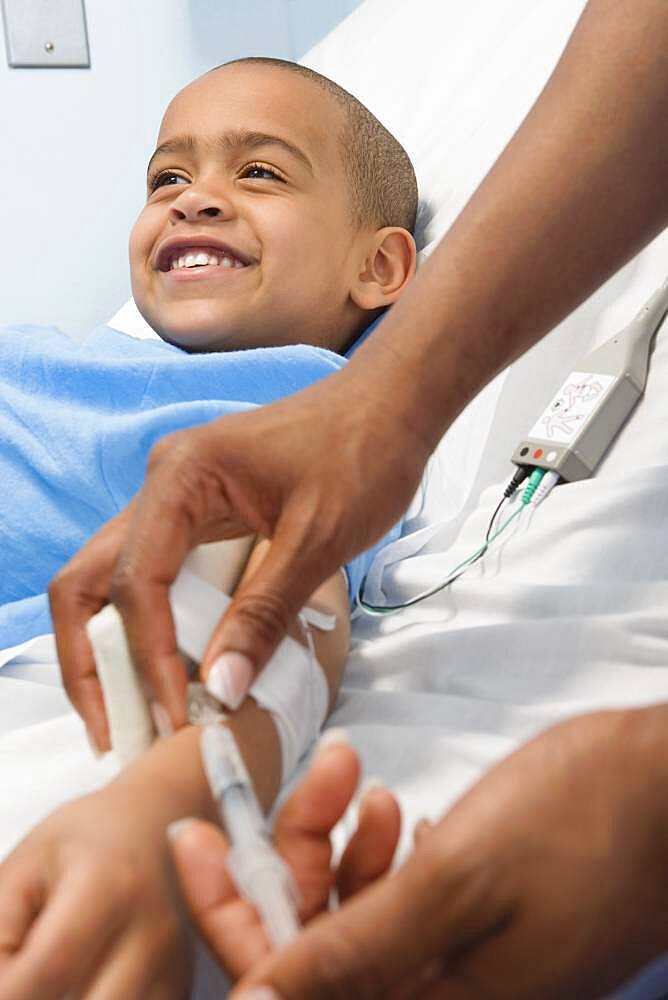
231, 142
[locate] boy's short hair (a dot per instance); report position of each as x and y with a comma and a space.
379, 171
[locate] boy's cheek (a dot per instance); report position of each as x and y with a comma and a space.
141, 243
135, 239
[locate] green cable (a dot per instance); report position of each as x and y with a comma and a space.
388, 609
532, 485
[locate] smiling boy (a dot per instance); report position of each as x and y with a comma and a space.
304, 199
306, 202
276, 229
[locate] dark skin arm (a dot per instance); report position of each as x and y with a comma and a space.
580, 189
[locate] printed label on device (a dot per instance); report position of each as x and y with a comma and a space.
579, 397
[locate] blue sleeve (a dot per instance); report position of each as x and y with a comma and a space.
358, 567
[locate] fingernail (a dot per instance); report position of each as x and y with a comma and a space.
367, 789
370, 785
94, 749
176, 828
332, 737
259, 993
422, 827
161, 718
230, 678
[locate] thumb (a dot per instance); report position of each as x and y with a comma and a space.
262, 610
228, 924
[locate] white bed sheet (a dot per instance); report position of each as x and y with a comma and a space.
569, 613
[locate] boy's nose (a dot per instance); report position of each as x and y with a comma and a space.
192, 203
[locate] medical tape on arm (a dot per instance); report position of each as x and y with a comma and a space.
292, 686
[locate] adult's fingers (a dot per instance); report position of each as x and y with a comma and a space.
228, 924
182, 503
369, 947
303, 826
319, 514
301, 835
265, 605
422, 828
159, 538
76, 593
321, 798
369, 853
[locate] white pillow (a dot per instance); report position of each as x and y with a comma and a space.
129, 320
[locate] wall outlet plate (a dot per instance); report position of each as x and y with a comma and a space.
45, 33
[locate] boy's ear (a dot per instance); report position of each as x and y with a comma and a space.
389, 263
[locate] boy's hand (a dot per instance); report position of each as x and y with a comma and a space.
231, 925
89, 907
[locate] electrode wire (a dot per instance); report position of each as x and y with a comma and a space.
454, 574
520, 475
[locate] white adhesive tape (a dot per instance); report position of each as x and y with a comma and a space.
292, 685
293, 688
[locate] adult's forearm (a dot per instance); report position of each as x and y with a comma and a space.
579, 190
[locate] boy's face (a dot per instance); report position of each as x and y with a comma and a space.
261, 186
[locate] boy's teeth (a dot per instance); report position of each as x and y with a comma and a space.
201, 259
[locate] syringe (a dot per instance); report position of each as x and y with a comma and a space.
256, 868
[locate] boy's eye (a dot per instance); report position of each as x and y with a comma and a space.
252, 171
158, 180
259, 171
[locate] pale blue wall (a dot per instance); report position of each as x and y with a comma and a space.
75, 143
284, 28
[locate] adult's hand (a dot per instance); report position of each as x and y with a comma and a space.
229, 924
324, 473
546, 880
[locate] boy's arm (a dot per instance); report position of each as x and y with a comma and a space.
88, 899
174, 763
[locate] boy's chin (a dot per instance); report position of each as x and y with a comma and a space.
196, 341
193, 336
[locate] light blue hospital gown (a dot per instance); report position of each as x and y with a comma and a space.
77, 422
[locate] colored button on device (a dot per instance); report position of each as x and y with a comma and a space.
538, 452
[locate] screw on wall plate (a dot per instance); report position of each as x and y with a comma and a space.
49, 46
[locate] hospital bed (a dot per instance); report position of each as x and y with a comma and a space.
436, 694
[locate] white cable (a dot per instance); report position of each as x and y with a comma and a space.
546, 485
